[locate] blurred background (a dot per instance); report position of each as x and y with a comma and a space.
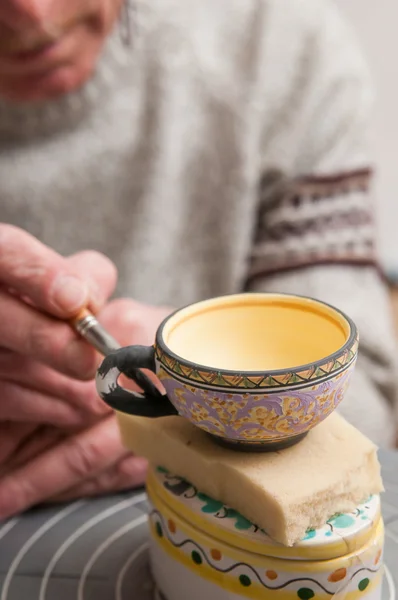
376, 26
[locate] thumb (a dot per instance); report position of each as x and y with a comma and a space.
98, 272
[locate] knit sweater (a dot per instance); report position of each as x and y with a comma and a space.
224, 149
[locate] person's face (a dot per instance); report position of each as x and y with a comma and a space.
50, 47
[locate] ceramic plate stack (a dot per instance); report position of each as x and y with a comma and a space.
99, 549
197, 543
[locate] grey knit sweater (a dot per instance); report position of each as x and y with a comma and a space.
224, 149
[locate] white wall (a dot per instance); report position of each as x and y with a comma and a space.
376, 22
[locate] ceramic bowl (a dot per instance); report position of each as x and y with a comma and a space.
200, 549
256, 371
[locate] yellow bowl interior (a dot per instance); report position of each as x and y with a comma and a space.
256, 332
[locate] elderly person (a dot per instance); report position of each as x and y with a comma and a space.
203, 148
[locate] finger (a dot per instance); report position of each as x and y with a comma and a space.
99, 272
123, 319
132, 322
29, 332
32, 446
11, 437
22, 404
81, 396
73, 461
129, 474
36, 271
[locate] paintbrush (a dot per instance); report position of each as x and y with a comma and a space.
87, 325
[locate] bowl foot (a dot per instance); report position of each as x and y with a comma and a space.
269, 446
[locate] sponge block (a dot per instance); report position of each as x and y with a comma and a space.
332, 470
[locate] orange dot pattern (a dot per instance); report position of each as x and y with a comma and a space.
216, 554
338, 575
272, 575
172, 526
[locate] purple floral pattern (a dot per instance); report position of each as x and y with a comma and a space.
256, 416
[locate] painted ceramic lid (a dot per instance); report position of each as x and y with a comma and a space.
341, 535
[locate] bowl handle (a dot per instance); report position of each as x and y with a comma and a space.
128, 360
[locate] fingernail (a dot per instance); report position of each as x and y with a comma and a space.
81, 359
69, 293
97, 296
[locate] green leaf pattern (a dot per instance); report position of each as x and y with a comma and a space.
214, 507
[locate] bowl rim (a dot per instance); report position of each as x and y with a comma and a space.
352, 338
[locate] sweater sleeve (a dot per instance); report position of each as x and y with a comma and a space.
315, 232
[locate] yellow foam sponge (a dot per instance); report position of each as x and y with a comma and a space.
332, 470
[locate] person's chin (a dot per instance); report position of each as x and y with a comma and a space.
55, 71
61, 81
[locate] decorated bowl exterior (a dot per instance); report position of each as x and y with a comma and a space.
255, 409
202, 549
247, 409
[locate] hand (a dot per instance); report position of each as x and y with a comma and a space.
89, 461
41, 358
